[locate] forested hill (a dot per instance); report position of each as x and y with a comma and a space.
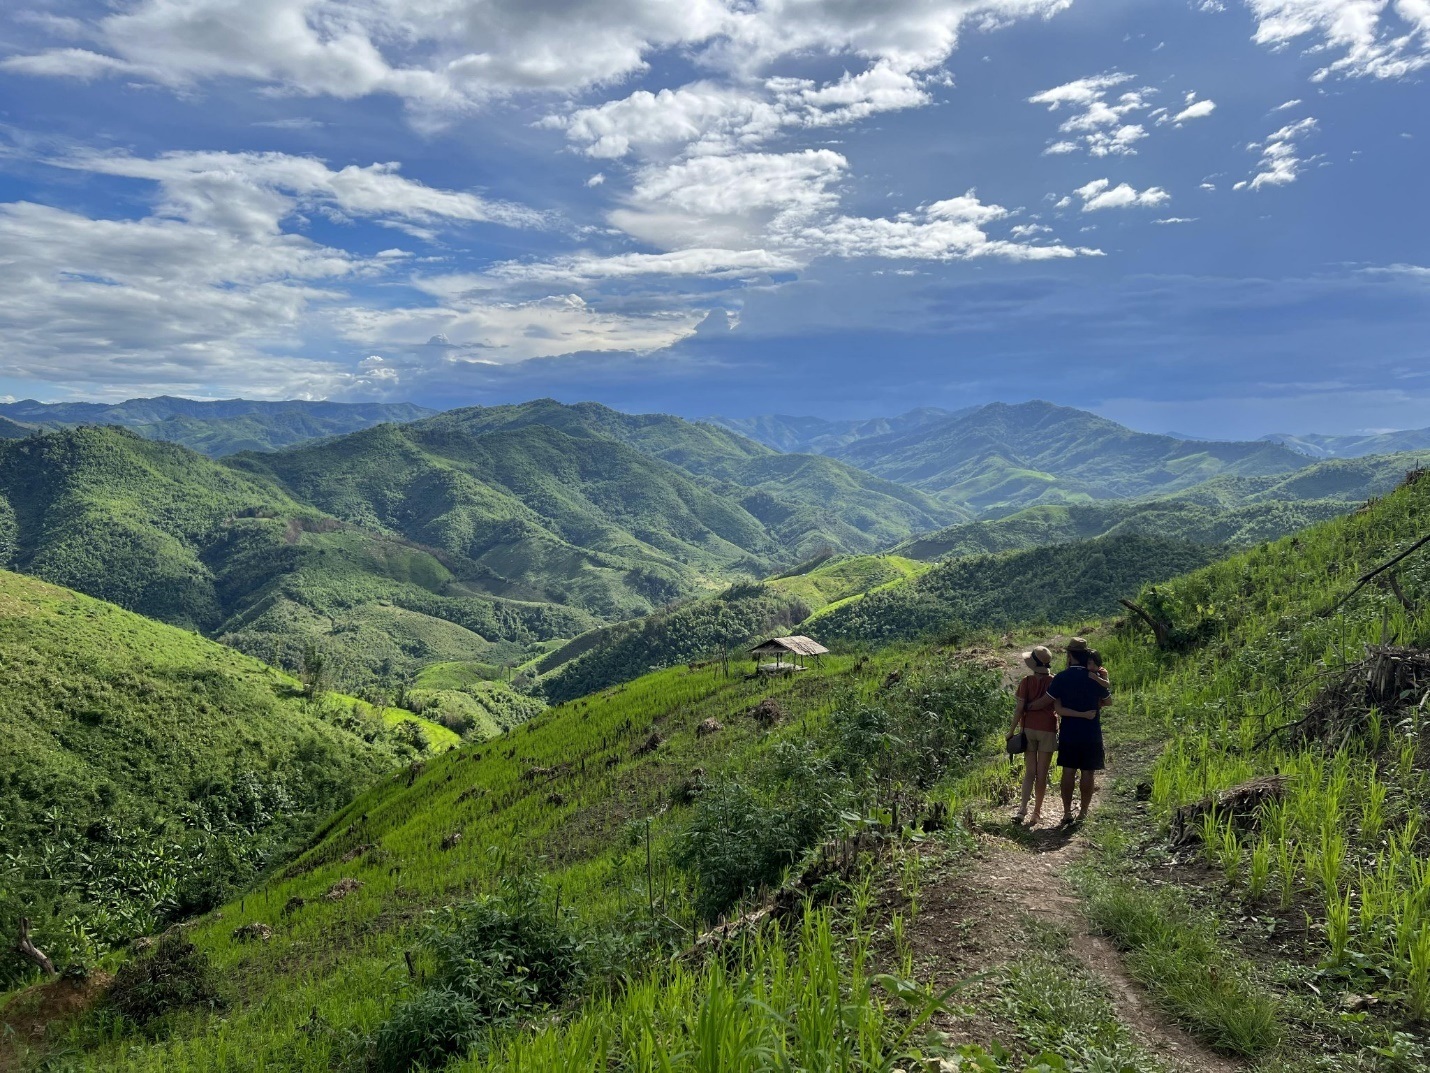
996, 459
146, 773
219, 427
476, 535
820, 435
1240, 511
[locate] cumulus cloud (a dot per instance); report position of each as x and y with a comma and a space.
203, 289
1192, 109
1101, 194
1374, 38
1280, 162
455, 53
1102, 124
948, 230
700, 177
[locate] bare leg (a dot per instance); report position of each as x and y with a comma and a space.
1069, 778
1040, 786
1089, 784
1030, 760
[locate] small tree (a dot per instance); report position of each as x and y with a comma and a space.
314, 671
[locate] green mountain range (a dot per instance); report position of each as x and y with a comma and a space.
215, 428
818, 435
1239, 511
994, 460
472, 535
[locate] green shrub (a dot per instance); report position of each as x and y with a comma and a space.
923, 728
498, 959
174, 975
745, 830
427, 1030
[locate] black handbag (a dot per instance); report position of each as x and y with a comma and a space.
1017, 743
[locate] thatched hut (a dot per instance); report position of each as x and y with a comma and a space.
789, 653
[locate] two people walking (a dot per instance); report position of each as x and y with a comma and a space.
1061, 713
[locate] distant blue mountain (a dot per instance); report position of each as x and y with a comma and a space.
214, 427
1380, 443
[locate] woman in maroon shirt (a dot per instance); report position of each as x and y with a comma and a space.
1034, 714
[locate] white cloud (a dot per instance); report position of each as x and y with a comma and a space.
1095, 124
457, 53
1101, 194
1194, 110
1280, 163
1287, 104
497, 332
204, 289
1375, 38
954, 229
256, 190
1103, 126
1176, 220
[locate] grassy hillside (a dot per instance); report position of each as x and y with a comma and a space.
1317, 896
516, 904
1059, 583
146, 773
218, 427
163, 531
1000, 458
571, 789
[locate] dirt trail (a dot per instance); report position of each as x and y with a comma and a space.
976, 917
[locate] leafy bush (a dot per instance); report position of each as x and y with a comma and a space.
921, 729
498, 959
174, 975
746, 830
427, 1030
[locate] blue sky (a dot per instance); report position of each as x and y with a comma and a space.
1192, 216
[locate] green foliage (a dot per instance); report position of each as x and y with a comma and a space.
1185, 516
747, 828
1176, 955
1061, 583
174, 975
146, 773
1269, 643
499, 959
922, 728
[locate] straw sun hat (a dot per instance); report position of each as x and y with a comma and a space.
1077, 644
1038, 659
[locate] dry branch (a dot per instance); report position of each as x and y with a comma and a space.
1371, 575
1159, 629
26, 949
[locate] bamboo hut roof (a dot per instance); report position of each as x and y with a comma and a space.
799, 645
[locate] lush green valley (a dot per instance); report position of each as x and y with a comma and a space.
147, 774
474, 536
591, 843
